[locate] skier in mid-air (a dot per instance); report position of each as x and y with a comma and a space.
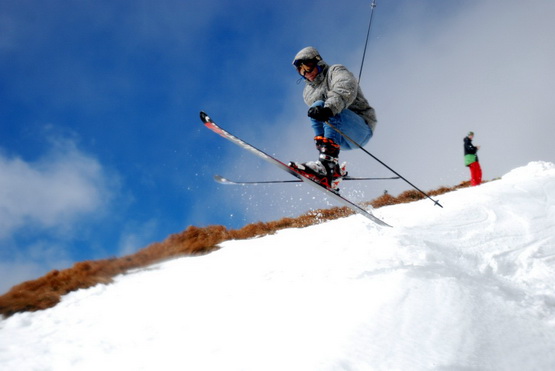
334, 96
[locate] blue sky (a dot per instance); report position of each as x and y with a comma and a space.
102, 151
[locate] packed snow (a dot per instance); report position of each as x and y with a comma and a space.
466, 287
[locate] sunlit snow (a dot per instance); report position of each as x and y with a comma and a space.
466, 287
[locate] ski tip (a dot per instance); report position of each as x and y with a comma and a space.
384, 224
220, 179
204, 117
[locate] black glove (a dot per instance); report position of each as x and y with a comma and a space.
320, 113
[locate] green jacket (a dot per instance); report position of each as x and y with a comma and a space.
470, 151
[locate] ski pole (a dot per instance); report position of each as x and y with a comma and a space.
381, 162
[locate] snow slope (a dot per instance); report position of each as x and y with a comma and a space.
466, 287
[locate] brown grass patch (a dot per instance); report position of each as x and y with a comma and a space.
46, 292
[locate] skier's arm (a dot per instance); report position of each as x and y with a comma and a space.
343, 88
470, 148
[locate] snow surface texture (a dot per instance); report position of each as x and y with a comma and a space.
466, 287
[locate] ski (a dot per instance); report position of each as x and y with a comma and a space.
210, 124
220, 179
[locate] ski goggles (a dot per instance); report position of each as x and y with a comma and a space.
305, 65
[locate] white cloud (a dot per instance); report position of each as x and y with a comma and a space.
52, 192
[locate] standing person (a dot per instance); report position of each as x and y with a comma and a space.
333, 95
471, 160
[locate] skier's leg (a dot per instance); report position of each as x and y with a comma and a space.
475, 174
317, 126
348, 122
352, 125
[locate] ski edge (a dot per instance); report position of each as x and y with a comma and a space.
223, 180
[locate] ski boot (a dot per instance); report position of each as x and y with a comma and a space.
326, 171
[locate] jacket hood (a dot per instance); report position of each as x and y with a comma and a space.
311, 53
307, 53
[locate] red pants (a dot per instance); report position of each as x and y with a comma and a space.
475, 173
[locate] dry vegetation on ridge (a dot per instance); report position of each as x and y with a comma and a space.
46, 292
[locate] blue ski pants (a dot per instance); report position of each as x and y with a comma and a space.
349, 123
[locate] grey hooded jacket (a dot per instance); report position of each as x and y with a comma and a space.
337, 87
